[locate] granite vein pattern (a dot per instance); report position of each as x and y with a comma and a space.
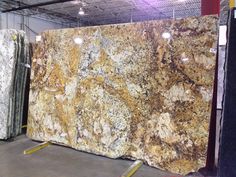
125, 91
14, 57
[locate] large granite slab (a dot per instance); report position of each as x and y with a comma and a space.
14, 61
125, 91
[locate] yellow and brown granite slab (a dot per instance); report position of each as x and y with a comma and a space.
127, 90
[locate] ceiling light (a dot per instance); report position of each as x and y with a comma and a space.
166, 35
81, 11
78, 40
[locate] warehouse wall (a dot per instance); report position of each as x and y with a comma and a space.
31, 25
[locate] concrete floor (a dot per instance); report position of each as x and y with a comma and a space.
59, 161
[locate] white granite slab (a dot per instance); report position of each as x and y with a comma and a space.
12, 51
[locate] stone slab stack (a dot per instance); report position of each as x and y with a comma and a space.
14, 66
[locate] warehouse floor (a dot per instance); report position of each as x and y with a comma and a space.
59, 161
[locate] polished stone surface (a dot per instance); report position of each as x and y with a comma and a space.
7, 49
13, 57
125, 91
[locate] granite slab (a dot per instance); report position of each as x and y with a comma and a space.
13, 59
227, 147
138, 91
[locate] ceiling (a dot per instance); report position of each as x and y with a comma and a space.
112, 11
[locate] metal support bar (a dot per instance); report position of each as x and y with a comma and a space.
132, 169
36, 148
36, 5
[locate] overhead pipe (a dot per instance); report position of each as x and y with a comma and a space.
36, 5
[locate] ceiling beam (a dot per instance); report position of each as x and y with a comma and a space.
35, 5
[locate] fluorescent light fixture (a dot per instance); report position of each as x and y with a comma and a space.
81, 11
78, 40
166, 35
38, 38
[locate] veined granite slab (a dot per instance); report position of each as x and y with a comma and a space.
13, 57
125, 91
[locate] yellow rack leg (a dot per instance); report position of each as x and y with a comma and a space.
36, 148
132, 169
232, 3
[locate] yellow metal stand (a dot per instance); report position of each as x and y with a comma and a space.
132, 169
232, 3
36, 148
